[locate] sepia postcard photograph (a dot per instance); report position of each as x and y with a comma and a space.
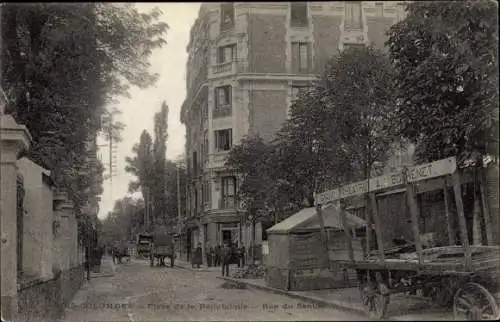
249, 161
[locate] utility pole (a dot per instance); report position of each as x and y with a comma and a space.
146, 210
179, 218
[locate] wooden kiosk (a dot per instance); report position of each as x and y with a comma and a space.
462, 275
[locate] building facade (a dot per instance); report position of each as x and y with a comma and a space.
247, 62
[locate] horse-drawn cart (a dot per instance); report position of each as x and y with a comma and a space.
162, 247
462, 275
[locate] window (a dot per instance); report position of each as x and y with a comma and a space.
379, 9
228, 192
226, 54
301, 57
223, 101
353, 18
298, 14
223, 140
223, 96
227, 15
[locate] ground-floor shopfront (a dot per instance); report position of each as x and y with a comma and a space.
217, 228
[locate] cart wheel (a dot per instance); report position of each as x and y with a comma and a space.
376, 300
474, 302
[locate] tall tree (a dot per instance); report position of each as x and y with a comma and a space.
61, 64
338, 128
141, 166
446, 61
264, 194
357, 88
159, 189
124, 221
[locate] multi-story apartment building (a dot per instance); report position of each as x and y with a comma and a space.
247, 62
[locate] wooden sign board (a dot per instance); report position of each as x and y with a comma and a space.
431, 170
413, 174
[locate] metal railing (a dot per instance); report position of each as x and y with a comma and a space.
227, 202
223, 111
226, 67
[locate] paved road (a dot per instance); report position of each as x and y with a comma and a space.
138, 292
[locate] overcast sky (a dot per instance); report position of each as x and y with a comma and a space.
138, 111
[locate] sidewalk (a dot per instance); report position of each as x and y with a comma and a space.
401, 308
108, 268
92, 302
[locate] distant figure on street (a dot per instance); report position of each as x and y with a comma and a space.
218, 252
87, 263
207, 255
98, 257
226, 259
114, 254
211, 256
243, 250
197, 256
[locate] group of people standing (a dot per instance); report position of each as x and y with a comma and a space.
219, 256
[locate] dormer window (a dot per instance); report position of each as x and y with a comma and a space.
227, 15
298, 14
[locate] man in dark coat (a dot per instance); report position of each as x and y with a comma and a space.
197, 256
243, 256
226, 259
218, 253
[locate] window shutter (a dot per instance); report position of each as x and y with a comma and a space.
229, 95
216, 94
220, 55
295, 57
309, 58
230, 138
216, 134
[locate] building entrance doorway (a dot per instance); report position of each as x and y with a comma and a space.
230, 236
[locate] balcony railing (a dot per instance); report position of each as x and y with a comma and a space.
223, 69
216, 160
223, 111
227, 202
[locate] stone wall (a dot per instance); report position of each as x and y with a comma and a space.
38, 299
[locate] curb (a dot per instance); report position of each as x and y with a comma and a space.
315, 300
328, 303
102, 275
